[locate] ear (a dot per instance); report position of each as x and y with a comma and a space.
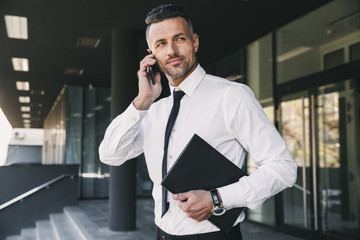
149, 50
196, 42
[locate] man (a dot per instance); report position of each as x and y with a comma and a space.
223, 113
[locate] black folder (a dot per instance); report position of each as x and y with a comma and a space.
202, 167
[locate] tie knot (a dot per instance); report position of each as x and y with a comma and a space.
178, 95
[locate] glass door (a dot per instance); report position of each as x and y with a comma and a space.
319, 129
335, 129
294, 127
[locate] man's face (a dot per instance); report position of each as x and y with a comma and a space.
174, 48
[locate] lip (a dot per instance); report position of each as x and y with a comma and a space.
175, 61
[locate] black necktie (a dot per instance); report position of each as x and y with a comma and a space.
173, 114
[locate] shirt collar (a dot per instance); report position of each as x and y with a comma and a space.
191, 82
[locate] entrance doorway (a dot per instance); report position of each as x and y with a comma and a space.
319, 128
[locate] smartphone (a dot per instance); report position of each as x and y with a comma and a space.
151, 74
151, 70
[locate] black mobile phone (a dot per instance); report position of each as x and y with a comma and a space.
151, 72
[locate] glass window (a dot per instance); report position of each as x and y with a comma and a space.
53, 151
302, 43
334, 59
355, 52
294, 124
336, 143
74, 125
259, 67
95, 175
320, 132
231, 66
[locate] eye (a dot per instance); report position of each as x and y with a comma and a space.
181, 39
160, 44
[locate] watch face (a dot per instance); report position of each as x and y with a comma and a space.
218, 211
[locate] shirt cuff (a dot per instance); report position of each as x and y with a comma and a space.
134, 113
231, 196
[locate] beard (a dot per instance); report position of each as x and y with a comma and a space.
177, 70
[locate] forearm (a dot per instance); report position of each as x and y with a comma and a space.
142, 103
268, 180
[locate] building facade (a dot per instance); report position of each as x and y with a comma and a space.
305, 74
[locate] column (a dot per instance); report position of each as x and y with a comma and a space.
122, 189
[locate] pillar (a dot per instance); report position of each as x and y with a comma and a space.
122, 188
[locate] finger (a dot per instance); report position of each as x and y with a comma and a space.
197, 215
145, 68
181, 196
147, 62
202, 217
143, 72
158, 77
147, 58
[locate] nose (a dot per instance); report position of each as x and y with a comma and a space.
172, 49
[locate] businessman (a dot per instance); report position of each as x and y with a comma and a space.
223, 113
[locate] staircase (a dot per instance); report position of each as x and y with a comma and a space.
72, 224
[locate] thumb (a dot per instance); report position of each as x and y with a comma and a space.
181, 196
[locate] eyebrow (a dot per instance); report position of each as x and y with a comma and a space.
175, 36
179, 34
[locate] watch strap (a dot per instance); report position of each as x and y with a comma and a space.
215, 197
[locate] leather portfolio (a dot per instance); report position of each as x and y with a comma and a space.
202, 167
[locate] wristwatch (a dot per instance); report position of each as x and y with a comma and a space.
218, 208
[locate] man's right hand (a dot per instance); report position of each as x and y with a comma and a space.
147, 92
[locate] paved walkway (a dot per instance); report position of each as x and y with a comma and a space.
97, 210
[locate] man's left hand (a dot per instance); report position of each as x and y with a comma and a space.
196, 204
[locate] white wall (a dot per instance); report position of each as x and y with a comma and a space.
5, 132
25, 146
27, 136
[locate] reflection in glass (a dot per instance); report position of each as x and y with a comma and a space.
336, 189
330, 173
259, 67
74, 113
334, 59
295, 130
53, 151
355, 51
96, 117
302, 43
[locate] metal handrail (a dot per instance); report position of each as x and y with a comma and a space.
298, 187
34, 190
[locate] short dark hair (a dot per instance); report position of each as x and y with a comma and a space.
164, 12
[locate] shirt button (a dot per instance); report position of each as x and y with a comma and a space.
173, 130
170, 156
134, 119
163, 237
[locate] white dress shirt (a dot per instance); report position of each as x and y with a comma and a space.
227, 116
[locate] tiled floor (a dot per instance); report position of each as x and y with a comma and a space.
97, 210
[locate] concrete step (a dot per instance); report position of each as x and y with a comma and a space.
86, 228
28, 234
63, 228
44, 230
72, 224
13, 237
